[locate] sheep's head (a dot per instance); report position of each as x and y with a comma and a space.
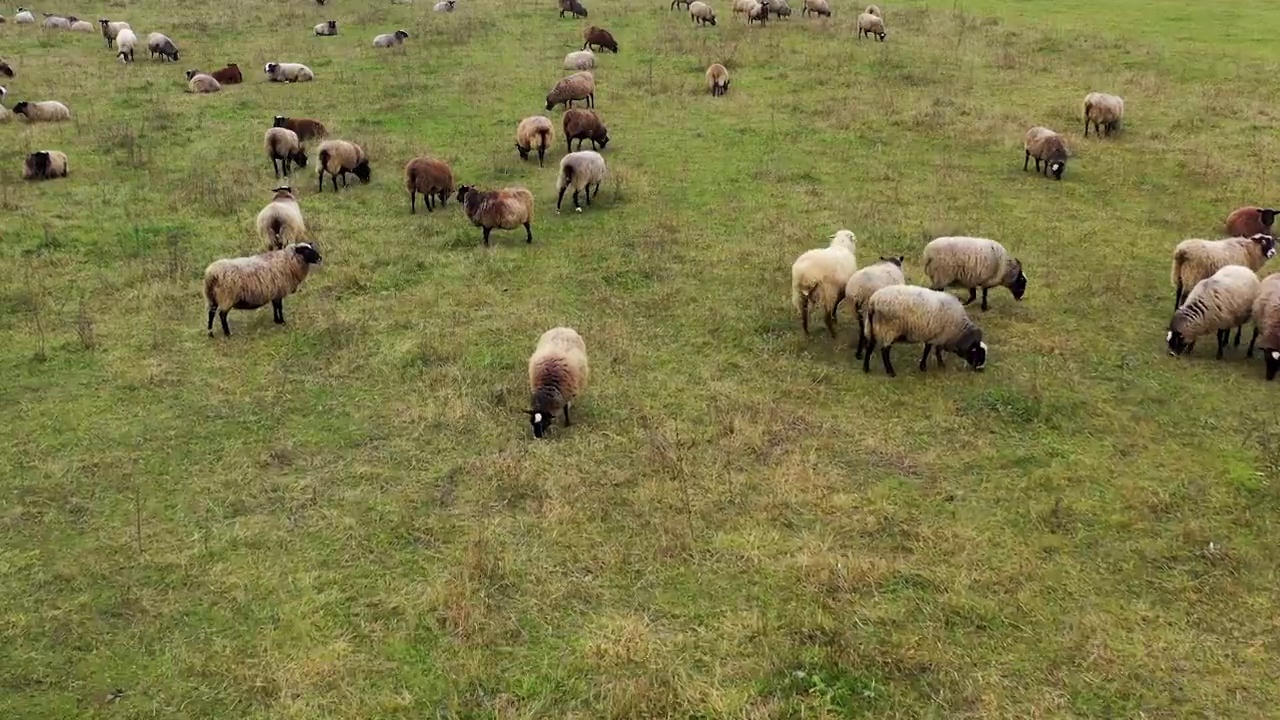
1177, 344
1057, 167
104, 22
1273, 363
894, 259
362, 171
3, 92
1018, 281
604, 141
20, 108
284, 192
550, 103
300, 159
5, 69
402, 34
845, 239
1264, 241
280, 121
976, 355
73, 19
333, 24
270, 68
192, 73
307, 253
546, 403
540, 422
1267, 216
463, 191
524, 151
712, 20
39, 163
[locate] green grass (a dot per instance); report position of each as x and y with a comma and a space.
346, 517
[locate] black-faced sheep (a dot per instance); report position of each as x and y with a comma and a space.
248, 283
912, 314
444, 6
573, 7
1048, 146
864, 283
819, 277
869, 25
580, 170
582, 125
1266, 324
973, 263
280, 222
431, 177
1248, 221
718, 80
339, 157
329, 28
1216, 304
288, 72
1195, 259
535, 131
558, 375
44, 111
111, 29
701, 13
388, 40
1105, 112
305, 128
284, 148
159, 45
45, 165
597, 38
24, 17
505, 209
578, 86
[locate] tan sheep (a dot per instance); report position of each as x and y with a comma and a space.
535, 131
1048, 146
1105, 112
339, 157
1217, 303
505, 209
280, 222
1266, 324
717, 80
198, 82
558, 375
248, 283
820, 277
578, 86
45, 165
973, 263
44, 111
1195, 259
869, 24
431, 177
581, 171
817, 7
701, 13
908, 313
284, 149
864, 283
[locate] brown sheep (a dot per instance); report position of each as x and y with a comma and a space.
1045, 146
573, 7
428, 176
305, 128
229, 75
718, 80
1249, 221
505, 209
600, 38
534, 131
584, 125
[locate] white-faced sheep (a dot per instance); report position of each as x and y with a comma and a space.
864, 283
758, 12
198, 82
56, 22
78, 25
580, 60
432, 178
816, 7
24, 17
1045, 146
43, 111
600, 38
819, 277
869, 25
1248, 220
1218, 303
558, 375
248, 283
573, 7
389, 40
444, 6
701, 13
717, 80
288, 72
580, 170
305, 128
912, 314
1105, 112
339, 157
284, 149
111, 29
280, 222
535, 131
159, 45
973, 263
1266, 324
328, 28
505, 209
45, 165
126, 43
1195, 259
578, 86
582, 125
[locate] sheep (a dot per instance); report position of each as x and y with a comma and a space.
78, 25
24, 17
913, 314
759, 12
863, 284
229, 75
505, 209
45, 111
742, 6
5, 115
584, 125
1195, 259
284, 148
1048, 146
280, 222
56, 22
558, 375
112, 29
597, 38
1266, 323
444, 6
1105, 112
780, 8
198, 82
327, 29
339, 157
1219, 302
873, 10
159, 45
580, 170
817, 7
718, 80
5, 69
580, 60
45, 165
126, 41
573, 7
248, 283
701, 13
578, 86
820, 277
388, 40
676, 3
305, 128
288, 72
1247, 221
433, 178
535, 131
869, 25
973, 263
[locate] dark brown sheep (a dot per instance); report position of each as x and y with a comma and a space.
582, 125
229, 75
600, 38
433, 178
305, 128
505, 209
1249, 221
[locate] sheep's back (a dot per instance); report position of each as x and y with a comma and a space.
560, 359
1266, 313
965, 261
532, 127
865, 282
914, 314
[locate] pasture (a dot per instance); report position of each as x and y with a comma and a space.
347, 517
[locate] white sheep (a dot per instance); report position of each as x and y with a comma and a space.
864, 283
1217, 303
444, 6
913, 314
112, 29
1103, 110
701, 13
288, 72
126, 41
580, 170
973, 263
1266, 322
390, 39
248, 283
1195, 259
558, 375
329, 28
24, 17
820, 277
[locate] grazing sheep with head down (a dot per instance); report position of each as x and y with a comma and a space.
126, 42
717, 80
280, 222
534, 131
1266, 324
573, 7
912, 314
973, 263
288, 72
339, 157
328, 28
389, 40
600, 39
580, 170
701, 13
248, 283
198, 82
578, 86
1048, 146
864, 283
284, 148
580, 60
1105, 112
43, 111
505, 209
45, 165
869, 25
159, 45
305, 128
24, 17
780, 8
444, 6
584, 125
819, 277
433, 178
816, 7
1249, 220
111, 29
558, 374
1218, 303
1195, 259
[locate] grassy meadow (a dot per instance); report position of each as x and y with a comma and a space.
346, 517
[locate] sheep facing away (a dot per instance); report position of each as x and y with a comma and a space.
198, 82
388, 40
864, 283
717, 80
284, 149
24, 17
580, 170
433, 178
582, 125
1217, 303
912, 314
580, 60
558, 374
280, 222
869, 24
1195, 259
339, 157
1104, 111
111, 29
328, 28
578, 86
505, 209
126, 44
973, 263
1266, 323
701, 13
573, 7
1048, 146
819, 277
45, 165
159, 45
1250, 220
43, 111
288, 72
305, 128
535, 131
597, 38
248, 283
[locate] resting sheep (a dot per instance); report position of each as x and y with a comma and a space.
198, 82
573, 7
1104, 111
534, 131
864, 283
1218, 303
1249, 220
912, 314
126, 42
820, 277
24, 17
248, 283
444, 6
505, 209
339, 157
44, 111
580, 170
1048, 146
717, 80
44, 165
580, 60
817, 7
701, 13
600, 39
973, 263
78, 25
558, 374
284, 149
1195, 259
229, 75
869, 25
159, 45
56, 22
280, 222
433, 178
327, 29
388, 40
584, 125
1266, 323
288, 72
305, 128
578, 86
111, 29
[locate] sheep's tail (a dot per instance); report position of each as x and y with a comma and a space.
277, 232
211, 289
566, 177
868, 327
545, 134
803, 297
324, 159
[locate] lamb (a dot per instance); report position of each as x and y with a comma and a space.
1048, 146
1245, 221
1266, 323
56, 22
280, 222
573, 7
198, 82
718, 80
600, 38
288, 72
505, 209
229, 75
339, 157
284, 148
110, 30
913, 314
863, 284
973, 263
1195, 259
869, 25
701, 13
817, 7
388, 40
578, 86
820, 277
248, 283
78, 25
873, 10
444, 6
1104, 111
580, 60
1220, 302
327, 29
45, 165
305, 128
584, 125
580, 170
44, 111
759, 12
126, 41
161, 46
558, 375
433, 178
5, 69
24, 17
535, 131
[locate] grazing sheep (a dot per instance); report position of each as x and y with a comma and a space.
864, 283
742, 6
112, 29
433, 178
161, 46
45, 111
676, 3
584, 125
718, 80
573, 7
701, 13
535, 131
126, 41
1195, 259
580, 170
288, 72
580, 60
388, 40
817, 7
280, 222
45, 165
558, 374
578, 86
444, 6
1219, 302
56, 22
327, 29
873, 10
819, 277
759, 12
780, 8
1104, 111
248, 283
1048, 146
973, 263
1248, 220
284, 148
305, 128
229, 75
24, 17
505, 209
198, 82
339, 157
1266, 323
5, 69
5, 115
912, 314
78, 25
869, 25
600, 39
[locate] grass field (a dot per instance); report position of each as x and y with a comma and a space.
346, 517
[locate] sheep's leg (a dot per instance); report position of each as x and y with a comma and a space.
597, 193
444, 198
1249, 353
1026, 160
541, 151
937, 350
413, 203
868, 350
320, 175
213, 310
1239, 330
1177, 297
830, 319
1086, 127
884, 359
226, 329
1223, 337
984, 298
486, 236
566, 415
973, 295
862, 336
430, 201
576, 204
528, 234
804, 314
591, 100
277, 307
335, 181
924, 359
560, 197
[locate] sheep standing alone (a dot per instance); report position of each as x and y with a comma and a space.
912, 314
578, 86
701, 13
339, 157
973, 263
1195, 259
126, 42
327, 29
1266, 323
389, 40
864, 283
112, 29
869, 25
717, 80
45, 165
229, 75
159, 45
288, 72
573, 7
198, 82
1104, 111
558, 374
24, 17
534, 131
505, 209
817, 7
820, 277
280, 222
248, 283
1247, 221
600, 39
444, 6
284, 148
433, 178
580, 60
580, 170
1218, 303
584, 125
43, 111
305, 128
759, 12
1048, 146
